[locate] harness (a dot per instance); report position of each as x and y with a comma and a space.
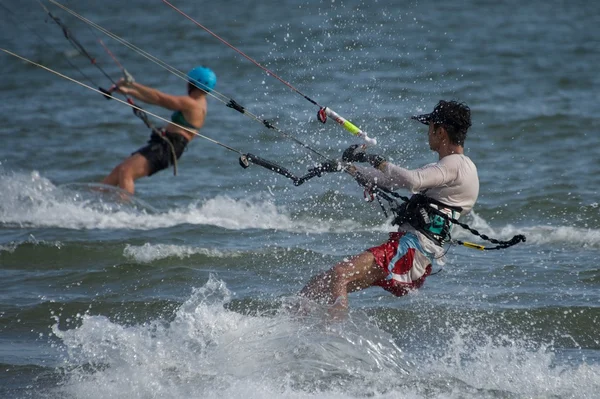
428, 216
420, 200
162, 134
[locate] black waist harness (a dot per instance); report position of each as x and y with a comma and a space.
178, 141
425, 215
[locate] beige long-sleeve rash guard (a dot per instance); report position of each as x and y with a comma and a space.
453, 180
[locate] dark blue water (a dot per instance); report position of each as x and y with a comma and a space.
187, 289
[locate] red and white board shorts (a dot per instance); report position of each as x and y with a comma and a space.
403, 258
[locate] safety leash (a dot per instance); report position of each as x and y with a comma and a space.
392, 198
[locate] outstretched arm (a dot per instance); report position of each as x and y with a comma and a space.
393, 177
153, 96
428, 176
368, 177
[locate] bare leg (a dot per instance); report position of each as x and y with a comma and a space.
124, 174
354, 274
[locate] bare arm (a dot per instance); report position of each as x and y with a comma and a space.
155, 97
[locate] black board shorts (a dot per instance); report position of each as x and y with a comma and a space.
158, 151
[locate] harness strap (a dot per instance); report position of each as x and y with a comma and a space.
392, 198
162, 133
420, 212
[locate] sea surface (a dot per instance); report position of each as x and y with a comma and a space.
188, 289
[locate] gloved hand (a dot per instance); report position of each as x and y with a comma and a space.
329, 165
355, 153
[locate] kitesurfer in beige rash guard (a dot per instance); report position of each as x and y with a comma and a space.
451, 185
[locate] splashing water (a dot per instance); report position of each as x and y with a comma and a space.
206, 349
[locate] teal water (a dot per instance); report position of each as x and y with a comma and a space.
186, 291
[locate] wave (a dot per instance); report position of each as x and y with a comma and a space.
33, 201
11, 247
148, 253
30, 200
544, 234
585, 238
207, 350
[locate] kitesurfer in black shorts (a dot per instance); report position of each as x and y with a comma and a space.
167, 144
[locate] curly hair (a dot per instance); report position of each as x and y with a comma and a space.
455, 117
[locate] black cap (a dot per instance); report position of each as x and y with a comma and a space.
448, 113
436, 116
425, 118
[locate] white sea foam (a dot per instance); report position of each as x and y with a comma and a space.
31, 200
207, 351
560, 235
148, 253
513, 366
537, 234
12, 246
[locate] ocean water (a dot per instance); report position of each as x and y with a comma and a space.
188, 289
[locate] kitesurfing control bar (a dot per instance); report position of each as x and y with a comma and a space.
246, 159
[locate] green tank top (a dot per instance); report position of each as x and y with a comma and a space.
178, 118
